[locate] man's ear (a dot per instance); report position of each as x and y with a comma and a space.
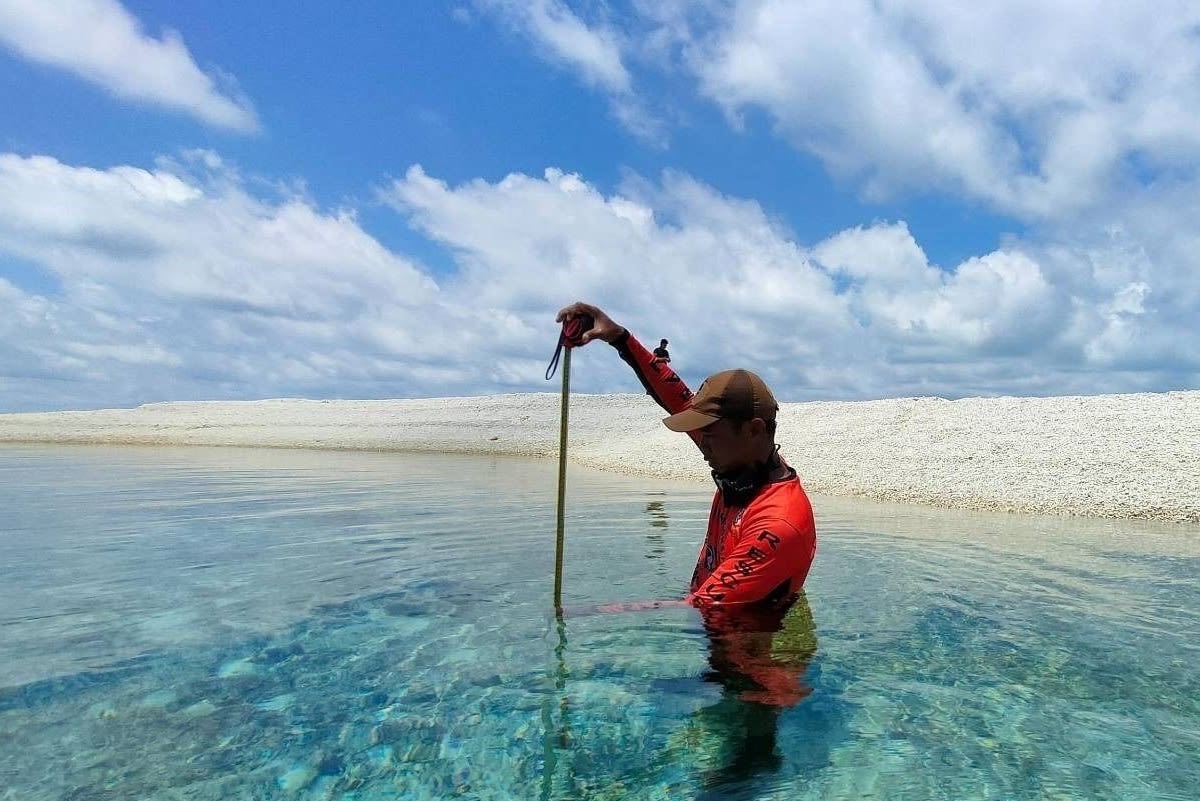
758, 427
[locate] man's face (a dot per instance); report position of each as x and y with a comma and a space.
727, 445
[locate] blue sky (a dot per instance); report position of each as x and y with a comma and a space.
220, 200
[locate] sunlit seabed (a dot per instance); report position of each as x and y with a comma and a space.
217, 623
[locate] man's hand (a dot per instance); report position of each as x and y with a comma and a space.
602, 325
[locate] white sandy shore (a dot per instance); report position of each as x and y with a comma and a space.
1118, 456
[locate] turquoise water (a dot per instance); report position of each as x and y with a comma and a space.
217, 624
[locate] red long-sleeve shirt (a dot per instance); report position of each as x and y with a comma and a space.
753, 554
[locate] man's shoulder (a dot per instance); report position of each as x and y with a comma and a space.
783, 500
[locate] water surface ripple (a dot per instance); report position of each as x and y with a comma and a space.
224, 623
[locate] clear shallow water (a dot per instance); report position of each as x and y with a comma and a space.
204, 624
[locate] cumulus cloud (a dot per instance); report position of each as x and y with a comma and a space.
1038, 108
178, 282
997, 303
862, 313
101, 42
184, 285
1042, 110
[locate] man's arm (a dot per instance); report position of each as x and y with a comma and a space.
661, 382
762, 568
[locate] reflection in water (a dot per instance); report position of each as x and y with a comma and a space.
557, 736
727, 748
759, 658
655, 539
658, 514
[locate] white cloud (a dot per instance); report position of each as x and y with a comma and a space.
532, 242
225, 291
1047, 111
595, 52
863, 313
100, 41
136, 230
886, 256
1038, 108
177, 282
996, 304
1136, 284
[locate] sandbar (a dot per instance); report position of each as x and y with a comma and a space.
1131, 456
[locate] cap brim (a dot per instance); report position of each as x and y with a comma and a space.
689, 420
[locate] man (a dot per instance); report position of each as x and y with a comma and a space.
761, 536
661, 351
749, 575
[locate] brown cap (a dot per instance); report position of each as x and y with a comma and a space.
730, 395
